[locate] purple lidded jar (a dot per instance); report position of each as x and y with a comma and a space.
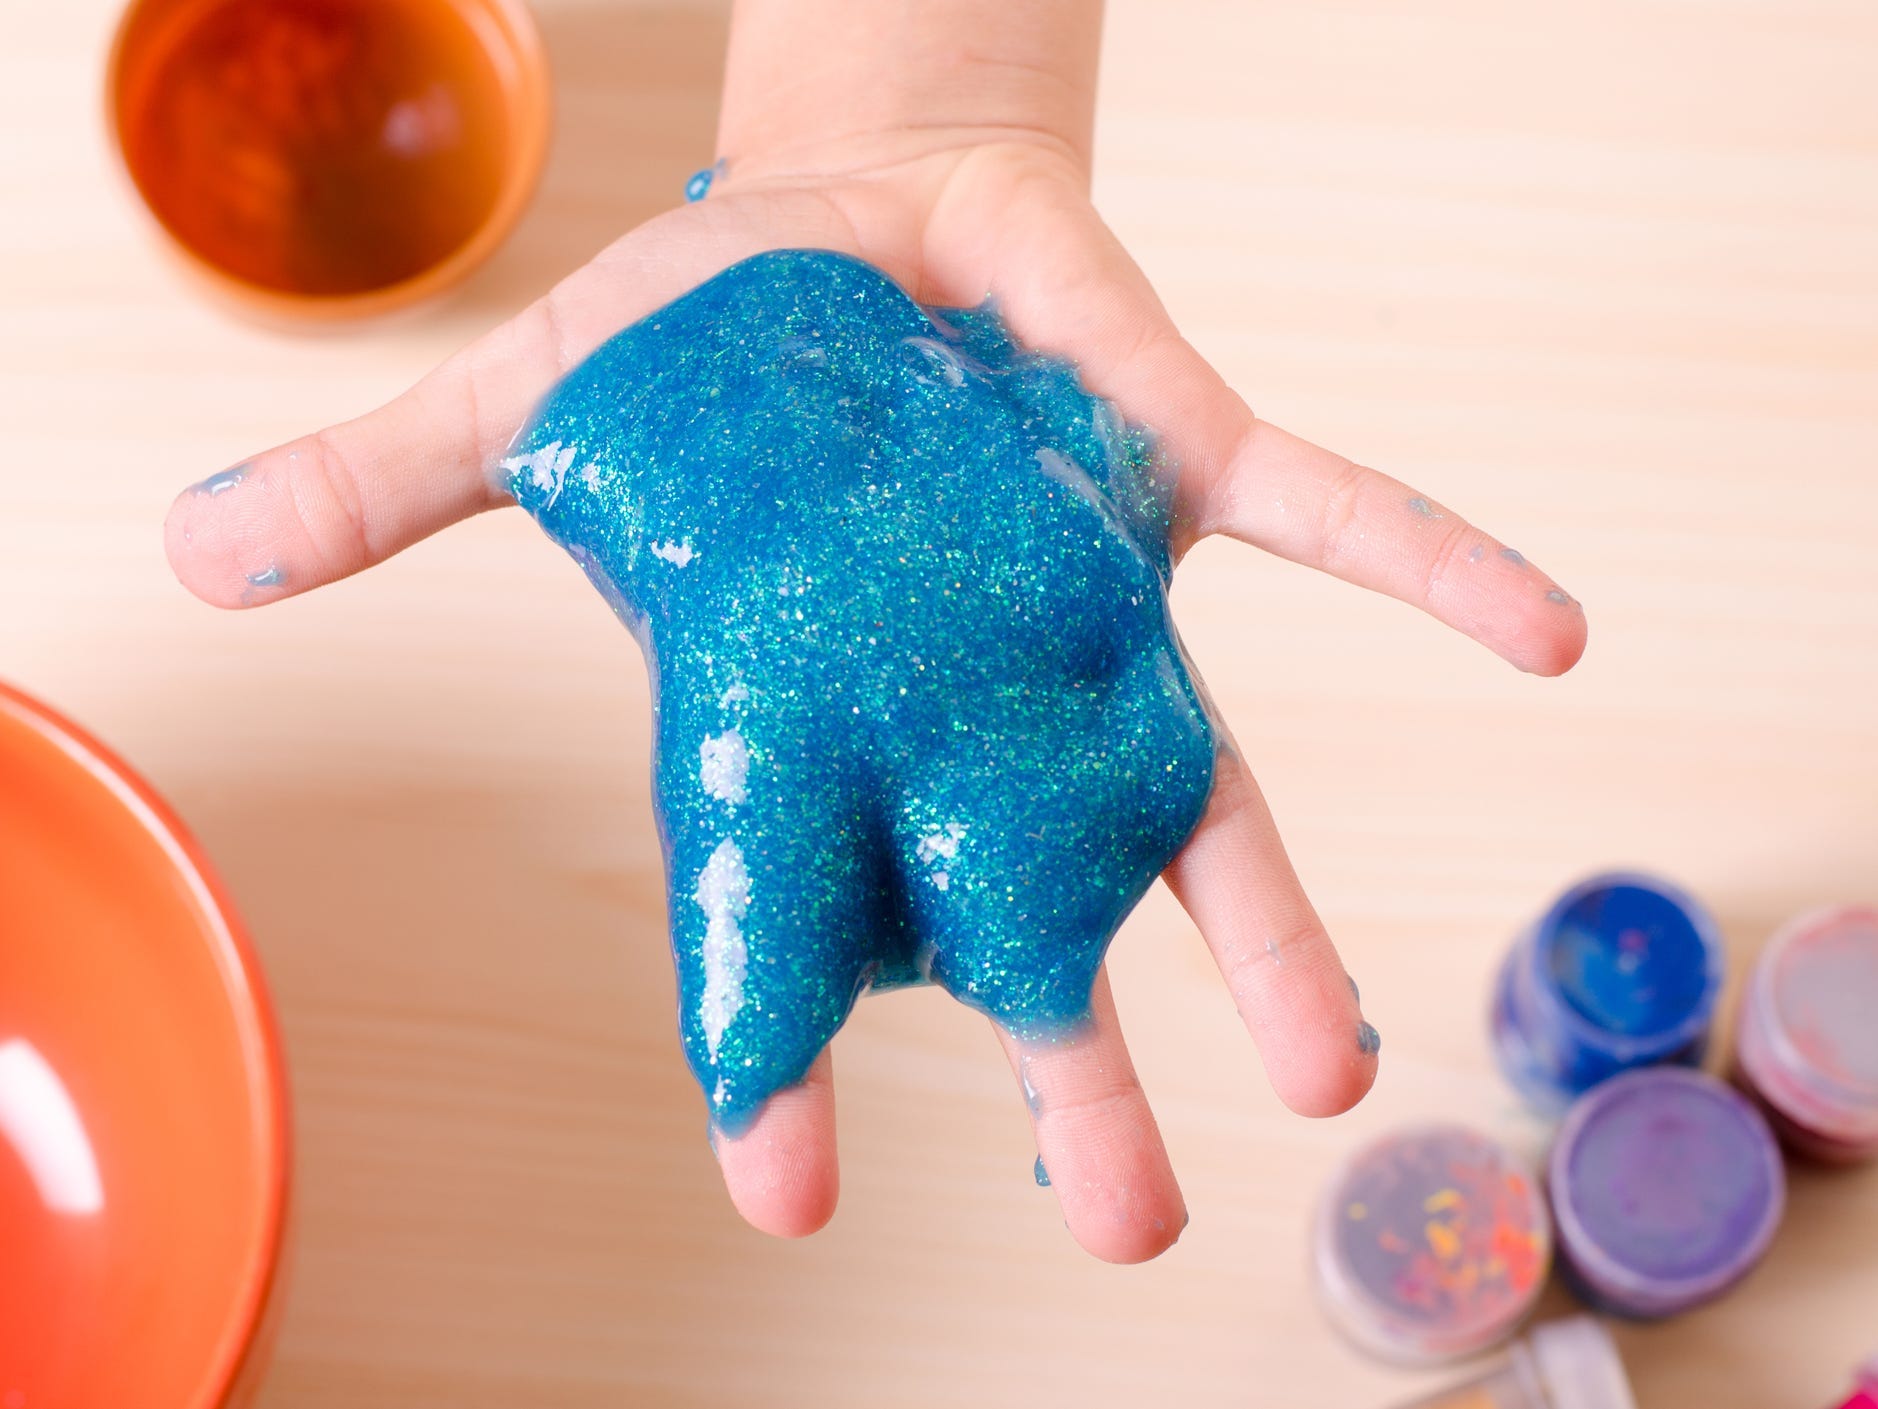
1666, 1188
1807, 1047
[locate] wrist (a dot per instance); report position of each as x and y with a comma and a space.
832, 87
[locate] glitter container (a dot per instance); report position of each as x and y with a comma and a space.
1431, 1244
1666, 1189
1807, 1044
1569, 1364
1865, 1394
1623, 971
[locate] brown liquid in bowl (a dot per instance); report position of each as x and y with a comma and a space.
321, 147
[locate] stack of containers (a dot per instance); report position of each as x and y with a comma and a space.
1664, 1185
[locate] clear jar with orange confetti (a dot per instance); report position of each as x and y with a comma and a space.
1431, 1244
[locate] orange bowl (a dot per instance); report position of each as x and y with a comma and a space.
143, 1102
319, 160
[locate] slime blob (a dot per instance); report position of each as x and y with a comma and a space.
921, 714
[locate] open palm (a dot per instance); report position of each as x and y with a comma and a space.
955, 223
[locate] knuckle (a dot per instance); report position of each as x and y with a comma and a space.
326, 500
1340, 515
1111, 1100
1263, 956
1441, 557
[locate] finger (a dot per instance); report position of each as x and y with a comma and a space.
1302, 1009
332, 503
1311, 505
1097, 1138
781, 1173
1065, 284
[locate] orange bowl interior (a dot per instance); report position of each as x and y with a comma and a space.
311, 161
143, 1136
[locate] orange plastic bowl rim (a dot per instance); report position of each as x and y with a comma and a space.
130, 984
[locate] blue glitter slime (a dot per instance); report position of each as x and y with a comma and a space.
901, 585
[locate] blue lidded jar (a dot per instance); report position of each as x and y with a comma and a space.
1624, 970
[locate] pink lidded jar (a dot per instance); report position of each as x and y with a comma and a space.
1807, 1046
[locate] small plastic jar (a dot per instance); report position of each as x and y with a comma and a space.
1666, 1189
1865, 1395
1622, 971
1569, 1364
1431, 1244
1807, 1043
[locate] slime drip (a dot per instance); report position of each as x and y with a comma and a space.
699, 186
901, 586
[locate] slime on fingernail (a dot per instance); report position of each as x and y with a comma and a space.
222, 481
921, 714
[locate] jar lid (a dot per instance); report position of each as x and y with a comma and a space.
1431, 1244
1817, 986
1634, 963
1667, 1187
1577, 1363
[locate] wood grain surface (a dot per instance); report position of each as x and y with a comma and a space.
1602, 275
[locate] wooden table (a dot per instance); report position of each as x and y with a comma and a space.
1604, 275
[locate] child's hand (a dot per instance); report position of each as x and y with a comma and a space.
957, 161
